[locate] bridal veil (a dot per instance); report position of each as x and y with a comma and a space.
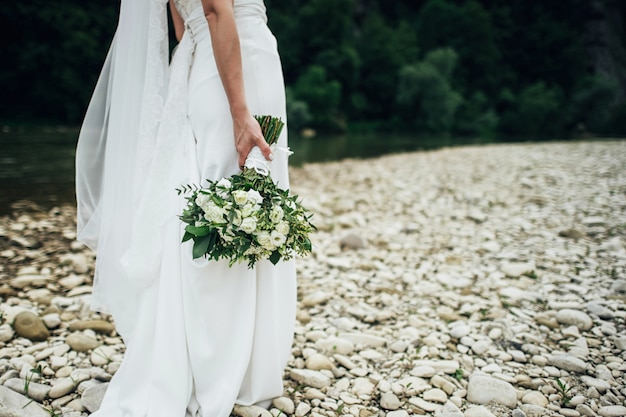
115, 153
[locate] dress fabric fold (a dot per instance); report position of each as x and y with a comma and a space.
200, 335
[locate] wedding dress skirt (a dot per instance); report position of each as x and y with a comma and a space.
206, 335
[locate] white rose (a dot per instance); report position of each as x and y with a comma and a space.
202, 200
247, 210
255, 197
265, 240
278, 239
240, 196
283, 228
276, 214
248, 225
224, 183
214, 213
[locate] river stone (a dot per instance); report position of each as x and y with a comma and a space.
52, 320
6, 333
483, 388
335, 345
80, 342
568, 362
364, 340
389, 401
35, 281
535, 398
302, 409
29, 325
478, 411
576, 318
362, 386
612, 411
317, 362
424, 405
250, 411
599, 384
599, 310
284, 404
98, 326
449, 409
398, 413
62, 387
36, 391
19, 404
516, 269
310, 378
459, 331
445, 366
436, 395
92, 397
351, 241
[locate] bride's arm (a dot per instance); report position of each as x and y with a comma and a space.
226, 48
179, 25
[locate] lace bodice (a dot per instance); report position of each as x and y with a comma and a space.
185, 7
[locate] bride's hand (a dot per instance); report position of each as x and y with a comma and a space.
247, 135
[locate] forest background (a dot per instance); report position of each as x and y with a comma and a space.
514, 69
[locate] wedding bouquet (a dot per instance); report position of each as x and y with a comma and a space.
246, 217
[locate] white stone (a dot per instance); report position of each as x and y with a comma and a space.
365, 340
318, 362
612, 411
62, 387
436, 395
480, 347
6, 333
424, 405
516, 269
92, 397
478, 411
423, 371
302, 409
483, 388
21, 405
567, 362
362, 386
250, 411
535, 398
599, 384
310, 378
398, 413
576, 318
52, 321
449, 409
458, 332
335, 345
284, 404
389, 401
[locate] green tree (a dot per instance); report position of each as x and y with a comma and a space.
425, 96
321, 95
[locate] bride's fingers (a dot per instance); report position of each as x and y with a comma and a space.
265, 149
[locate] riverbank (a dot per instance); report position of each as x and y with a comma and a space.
470, 281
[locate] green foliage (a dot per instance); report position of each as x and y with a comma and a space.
538, 110
521, 68
298, 113
425, 95
321, 95
564, 391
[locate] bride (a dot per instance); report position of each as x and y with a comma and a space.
200, 336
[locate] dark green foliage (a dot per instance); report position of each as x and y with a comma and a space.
539, 68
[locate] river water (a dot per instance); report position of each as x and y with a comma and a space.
37, 164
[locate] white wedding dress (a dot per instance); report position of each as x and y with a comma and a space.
205, 336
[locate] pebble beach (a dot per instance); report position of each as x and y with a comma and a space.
470, 281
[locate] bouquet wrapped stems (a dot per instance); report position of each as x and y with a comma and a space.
246, 217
